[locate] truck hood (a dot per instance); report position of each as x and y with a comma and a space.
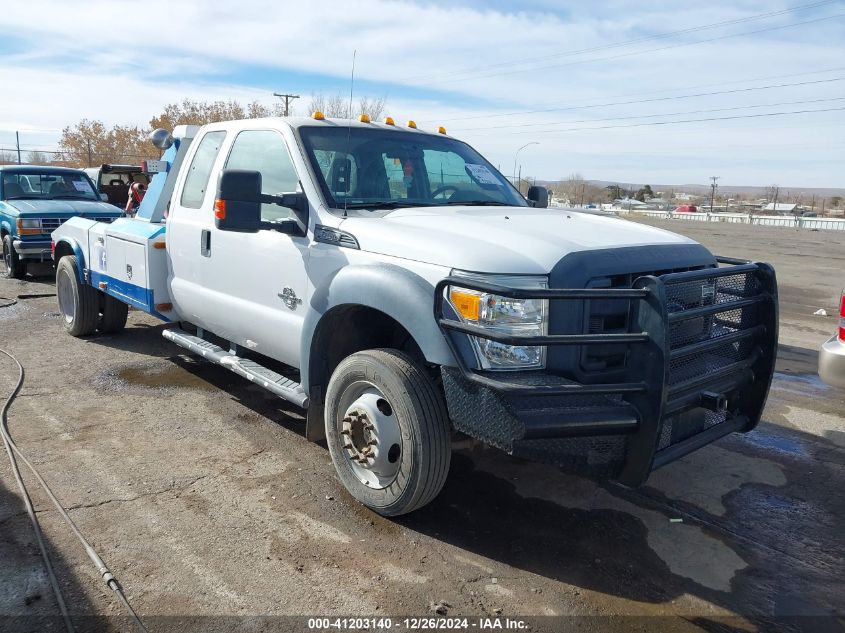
47, 208
521, 240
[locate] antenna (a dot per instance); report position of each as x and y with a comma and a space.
349, 133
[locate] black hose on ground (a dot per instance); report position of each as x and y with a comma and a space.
14, 453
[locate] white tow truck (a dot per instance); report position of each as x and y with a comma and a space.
394, 284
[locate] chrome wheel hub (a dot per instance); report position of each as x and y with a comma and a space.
370, 436
64, 289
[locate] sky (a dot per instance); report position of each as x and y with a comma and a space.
654, 91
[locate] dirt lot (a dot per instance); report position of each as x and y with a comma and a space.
204, 498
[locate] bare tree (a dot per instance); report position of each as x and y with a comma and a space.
336, 106
38, 158
772, 192
8, 158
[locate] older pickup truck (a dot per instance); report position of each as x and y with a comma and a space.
34, 201
395, 285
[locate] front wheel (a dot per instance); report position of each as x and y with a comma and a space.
15, 266
387, 431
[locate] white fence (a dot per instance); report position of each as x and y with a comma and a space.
826, 224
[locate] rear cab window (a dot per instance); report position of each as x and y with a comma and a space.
197, 180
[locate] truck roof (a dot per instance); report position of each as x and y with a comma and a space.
39, 169
298, 122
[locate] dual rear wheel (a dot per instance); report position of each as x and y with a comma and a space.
83, 308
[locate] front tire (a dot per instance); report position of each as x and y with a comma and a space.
79, 304
15, 266
388, 431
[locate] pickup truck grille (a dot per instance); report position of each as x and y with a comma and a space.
697, 351
48, 225
707, 345
608, 316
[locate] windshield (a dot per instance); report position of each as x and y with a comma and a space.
374, 168
48, 186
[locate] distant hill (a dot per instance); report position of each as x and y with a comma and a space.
822, 192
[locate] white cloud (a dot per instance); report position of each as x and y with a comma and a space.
108, 60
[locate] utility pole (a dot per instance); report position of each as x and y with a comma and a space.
90, 161
288, 99
516, 155
713, 186
18, 144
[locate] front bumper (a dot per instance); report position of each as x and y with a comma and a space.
832, 362
40, 250
701, 347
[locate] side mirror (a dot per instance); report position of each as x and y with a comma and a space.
538, 196
104, 197
238, 203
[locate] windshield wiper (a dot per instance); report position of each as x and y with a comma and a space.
384, 204
68, 196
22, 198
478, 203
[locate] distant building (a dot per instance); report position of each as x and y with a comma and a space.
780, 207
628, 203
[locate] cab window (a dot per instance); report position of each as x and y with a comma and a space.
196, 183
265, 151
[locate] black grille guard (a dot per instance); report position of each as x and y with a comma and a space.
698, 339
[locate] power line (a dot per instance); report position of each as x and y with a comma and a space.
648, 50
651, 116
726, 118
638, 40
651, 100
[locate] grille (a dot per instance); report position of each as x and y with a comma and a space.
726, 292
48, 225
612, 317
688, 368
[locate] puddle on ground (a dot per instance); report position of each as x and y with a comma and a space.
156, 376
771, 442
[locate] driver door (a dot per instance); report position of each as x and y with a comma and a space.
256, 283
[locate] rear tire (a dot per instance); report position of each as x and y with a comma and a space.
78, 303
15, 266
113, 317
382, 402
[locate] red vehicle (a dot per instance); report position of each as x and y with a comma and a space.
686, 208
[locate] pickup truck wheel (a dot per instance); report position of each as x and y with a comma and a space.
387, 430
79, 304
113, 317
15, 266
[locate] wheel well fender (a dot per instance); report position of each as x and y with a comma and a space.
69, 246
360, 307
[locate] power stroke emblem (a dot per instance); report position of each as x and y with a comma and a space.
289, 298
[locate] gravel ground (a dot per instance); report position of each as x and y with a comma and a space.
201, 493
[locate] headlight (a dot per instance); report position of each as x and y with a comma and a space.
29, 226
522, 317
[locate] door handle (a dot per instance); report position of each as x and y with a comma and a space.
205, 243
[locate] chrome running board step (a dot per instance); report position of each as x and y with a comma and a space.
249, 369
